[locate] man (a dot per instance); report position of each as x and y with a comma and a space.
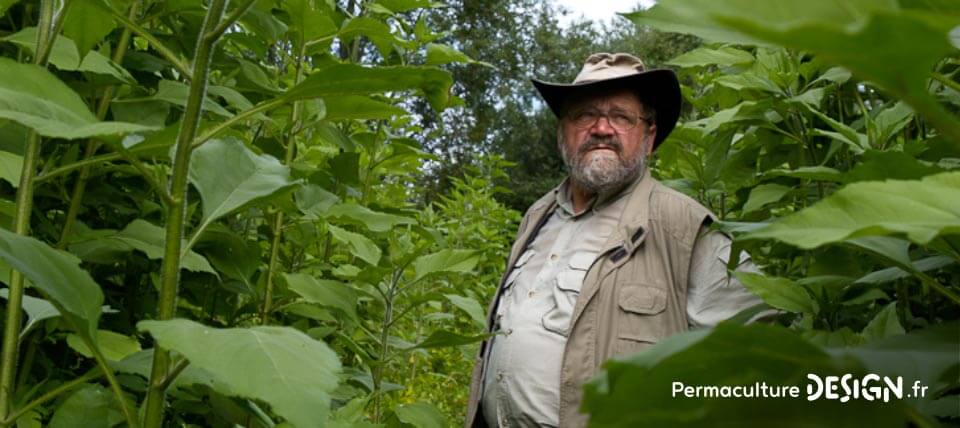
606, 264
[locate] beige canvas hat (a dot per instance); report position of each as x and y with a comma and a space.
604, 71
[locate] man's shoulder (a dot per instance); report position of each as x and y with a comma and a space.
668, 202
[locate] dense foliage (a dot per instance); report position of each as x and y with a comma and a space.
293, 212
213, 222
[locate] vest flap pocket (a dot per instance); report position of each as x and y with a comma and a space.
642, 299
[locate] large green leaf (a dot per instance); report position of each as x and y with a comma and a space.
872, 38
449, 260
65, 56
360, 245
32, 96
764, 194
228, 176
37, 309
420, 415
280, 366
92, 404
920, 209
723, 56
373, 220
114, 346
325, 292
780, 293
58, 275
87, 24
639, 390
139, 235
359, 107
11, 166
351, 79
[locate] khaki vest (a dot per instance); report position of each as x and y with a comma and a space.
633, 295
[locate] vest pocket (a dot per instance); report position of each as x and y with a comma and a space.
640, 320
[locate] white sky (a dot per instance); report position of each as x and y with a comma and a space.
598, 10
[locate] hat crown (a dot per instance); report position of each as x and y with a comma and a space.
602, 66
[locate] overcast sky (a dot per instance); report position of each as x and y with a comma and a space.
598, 10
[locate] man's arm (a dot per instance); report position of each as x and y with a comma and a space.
712, 294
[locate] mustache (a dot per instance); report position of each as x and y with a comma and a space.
594, 142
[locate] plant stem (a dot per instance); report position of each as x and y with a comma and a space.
162, 49
176, 211
131, 418
80, 187
278, 220
21, 226
86, 377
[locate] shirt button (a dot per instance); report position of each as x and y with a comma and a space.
531, 293
500, 376
553, 257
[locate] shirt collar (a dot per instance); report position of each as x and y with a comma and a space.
597, 202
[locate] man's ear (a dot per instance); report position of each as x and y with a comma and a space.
651, 137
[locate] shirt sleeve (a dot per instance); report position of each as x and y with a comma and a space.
712, 294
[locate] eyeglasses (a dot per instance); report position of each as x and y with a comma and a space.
618, 119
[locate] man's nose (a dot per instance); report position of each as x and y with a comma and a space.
602, 127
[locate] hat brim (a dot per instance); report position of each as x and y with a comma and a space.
659, 88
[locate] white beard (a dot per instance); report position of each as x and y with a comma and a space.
602, 171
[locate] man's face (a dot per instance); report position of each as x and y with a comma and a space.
605, 140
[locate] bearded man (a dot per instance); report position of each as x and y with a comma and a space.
608, 263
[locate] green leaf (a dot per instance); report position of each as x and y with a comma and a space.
87, 24
65, 56
32, 96
351, 79
314, 201
377, 31
232, 255
359, 107
400, 6
360, 245
311, 19
325, 292
11, 166
872, 38
639, 390
139, 235
818, 173
280, 366
922, 210
884, 324
372, 220
764, 194
444, 338
93, 404
470, 306
176, 93
724, 56
449, 260
895, 273
439, 54
37, 309
780, 293
114, 346
58, 275
250, 177
421, 415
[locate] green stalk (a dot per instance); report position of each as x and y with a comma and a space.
176, 211
162, 49
21, 226
278, 220
80, 187
56, 392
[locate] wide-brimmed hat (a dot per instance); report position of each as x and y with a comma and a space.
659, 88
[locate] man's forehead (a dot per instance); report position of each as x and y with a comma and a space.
621, 97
